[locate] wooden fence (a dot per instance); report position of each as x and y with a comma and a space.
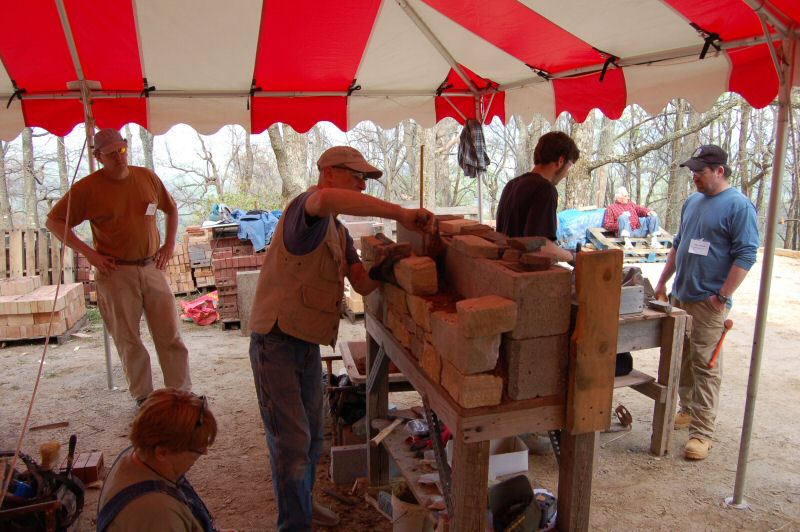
28, 252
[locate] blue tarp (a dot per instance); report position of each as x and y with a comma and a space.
257, 226
573, 225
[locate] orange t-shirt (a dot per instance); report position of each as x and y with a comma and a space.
118, 211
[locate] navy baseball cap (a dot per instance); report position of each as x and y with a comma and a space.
707, 155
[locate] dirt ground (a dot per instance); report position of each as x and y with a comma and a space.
632, 489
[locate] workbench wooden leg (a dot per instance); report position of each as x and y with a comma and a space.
469, 484
575, 480
673, 329
377, 407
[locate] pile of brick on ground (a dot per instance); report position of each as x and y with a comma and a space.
494, 329
230, 256
179, 270
199, 247
25, 307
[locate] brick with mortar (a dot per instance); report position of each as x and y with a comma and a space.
420, 310
431, 362
453, 227
471, 391
486, 316
394, 297
417, 275
475, 246
469, 355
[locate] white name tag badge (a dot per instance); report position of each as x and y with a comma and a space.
151, 209
699, 247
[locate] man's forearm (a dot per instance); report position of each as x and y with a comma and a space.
669, 267
735, 277
69, 237
330, 201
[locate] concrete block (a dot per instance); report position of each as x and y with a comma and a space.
486, 316
453, 226
417, 275
475, 246
420, 310
348, 462
246, 284
543, 298
536, 367
468, 355
431, 362
394, 297
471, 391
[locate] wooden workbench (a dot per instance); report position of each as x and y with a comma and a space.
645, 331
472, 429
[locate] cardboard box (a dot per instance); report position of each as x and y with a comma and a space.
507, 456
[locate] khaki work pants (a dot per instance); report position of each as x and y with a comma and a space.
123, 295
699, 384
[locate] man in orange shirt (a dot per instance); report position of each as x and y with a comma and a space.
120, 203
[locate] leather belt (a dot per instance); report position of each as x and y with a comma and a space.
139, 262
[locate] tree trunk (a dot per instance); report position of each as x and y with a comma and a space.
527, 137
429, 140
578, 188
446, 137
29, 178
411, 144
6, 221
291, 150
604, 150
63, 174
744, 132
147, 147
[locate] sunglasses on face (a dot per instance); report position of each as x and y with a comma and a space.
358, 175
121, 152
200, 420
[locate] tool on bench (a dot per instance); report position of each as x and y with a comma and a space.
376, 441
728, 326
445, 476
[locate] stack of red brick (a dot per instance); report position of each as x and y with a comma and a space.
26, 306
84, 273
230, 256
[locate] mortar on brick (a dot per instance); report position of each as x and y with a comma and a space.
417, 275
486, 316
475, 246
471, 391
468, 355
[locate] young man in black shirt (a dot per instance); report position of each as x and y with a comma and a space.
528, 203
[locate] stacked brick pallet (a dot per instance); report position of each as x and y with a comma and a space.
499, 332
25, 308
199, 249
84, 274
179, 271
230, 256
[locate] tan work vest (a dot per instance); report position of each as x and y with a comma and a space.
302, 293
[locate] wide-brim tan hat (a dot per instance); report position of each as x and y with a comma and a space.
347, 157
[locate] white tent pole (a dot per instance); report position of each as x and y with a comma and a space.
88, 119
784, 107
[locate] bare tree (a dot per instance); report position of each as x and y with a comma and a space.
6, 221
147, 140
29, 178
291, 151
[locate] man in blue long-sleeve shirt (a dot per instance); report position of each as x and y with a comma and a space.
714, 249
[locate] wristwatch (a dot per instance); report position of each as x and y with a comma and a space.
722, 298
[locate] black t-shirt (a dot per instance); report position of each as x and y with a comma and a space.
528, 207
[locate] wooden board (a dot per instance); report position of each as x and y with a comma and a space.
590, 383
44, 256
30, 252
641, 252
352, 349
410, 466
15, 253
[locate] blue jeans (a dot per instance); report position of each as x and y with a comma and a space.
647, 225
288, 377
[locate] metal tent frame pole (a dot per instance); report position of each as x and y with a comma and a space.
784, 108
88, 119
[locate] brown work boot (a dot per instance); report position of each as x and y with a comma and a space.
323, 516
697, 448
682, 420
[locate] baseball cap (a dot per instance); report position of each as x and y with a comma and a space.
707, 155
107, 140
349, 158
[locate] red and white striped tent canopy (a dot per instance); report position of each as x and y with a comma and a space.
257, 62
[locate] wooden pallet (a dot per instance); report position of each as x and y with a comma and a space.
641, 252
56, 339
230, 324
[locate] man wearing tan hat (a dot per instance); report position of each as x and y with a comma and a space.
296, 309
120, 203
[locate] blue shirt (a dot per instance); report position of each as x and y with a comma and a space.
727, 221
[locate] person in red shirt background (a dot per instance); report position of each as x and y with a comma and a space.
627, 219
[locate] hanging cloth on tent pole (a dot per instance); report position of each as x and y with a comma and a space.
472, 156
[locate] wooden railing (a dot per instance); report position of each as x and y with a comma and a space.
28, 252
